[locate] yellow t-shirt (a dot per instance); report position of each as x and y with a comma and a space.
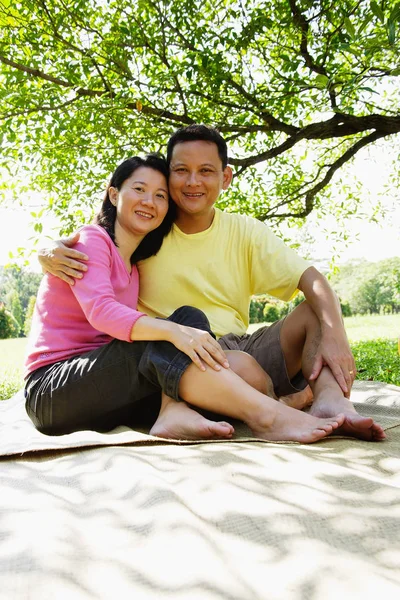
218, 270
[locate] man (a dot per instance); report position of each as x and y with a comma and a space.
216, 261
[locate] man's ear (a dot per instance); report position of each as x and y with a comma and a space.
228, 174
113, 195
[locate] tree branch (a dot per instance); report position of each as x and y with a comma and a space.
35, 72
83, 92
303, 25
339, 125
40, 108
310, 194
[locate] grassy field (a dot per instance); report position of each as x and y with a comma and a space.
373, 339
364, 327
11, 359
372, 327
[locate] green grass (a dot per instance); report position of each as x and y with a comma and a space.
363, 327
373, 340
377, 360
372, 327
11, 361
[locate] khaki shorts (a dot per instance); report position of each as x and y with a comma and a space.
265, 346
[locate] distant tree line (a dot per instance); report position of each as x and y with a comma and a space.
369, 288
362, 287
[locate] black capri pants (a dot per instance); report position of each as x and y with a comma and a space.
102, 388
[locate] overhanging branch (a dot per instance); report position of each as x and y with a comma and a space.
310, 194
339, 125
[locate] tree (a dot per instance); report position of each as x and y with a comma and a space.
8, 325
21, 282
271, 313
368, 297
14, 305
298, 87
369, 287
29, 315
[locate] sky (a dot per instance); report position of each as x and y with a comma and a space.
367, 240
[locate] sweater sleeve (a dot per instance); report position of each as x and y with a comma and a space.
95, 292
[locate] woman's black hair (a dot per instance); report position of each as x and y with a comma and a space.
151, 243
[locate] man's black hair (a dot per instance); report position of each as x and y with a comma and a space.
151, 243
194, 133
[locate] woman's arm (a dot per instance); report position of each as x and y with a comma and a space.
197, 344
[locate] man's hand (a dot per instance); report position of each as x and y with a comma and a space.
333, 348
62, 260
334, 351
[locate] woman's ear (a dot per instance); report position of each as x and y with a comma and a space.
113, 195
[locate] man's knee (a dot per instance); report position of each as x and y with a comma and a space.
248, 369
301, 320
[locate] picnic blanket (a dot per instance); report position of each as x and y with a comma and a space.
100, 516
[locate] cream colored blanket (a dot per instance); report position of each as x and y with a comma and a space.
104, 516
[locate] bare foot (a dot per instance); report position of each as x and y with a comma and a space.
355, 425
299, 400
179, 422
289, 424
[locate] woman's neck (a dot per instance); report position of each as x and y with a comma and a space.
127, 242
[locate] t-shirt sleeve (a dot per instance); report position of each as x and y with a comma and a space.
95, 292
275, 268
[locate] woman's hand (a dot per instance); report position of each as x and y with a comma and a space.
200, 346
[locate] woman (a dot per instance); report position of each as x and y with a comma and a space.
93, 357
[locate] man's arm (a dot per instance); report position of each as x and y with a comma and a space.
62, 260
334, 349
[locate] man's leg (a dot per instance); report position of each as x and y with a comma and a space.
267, 371
300, 336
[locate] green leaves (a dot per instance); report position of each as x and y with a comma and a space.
84, 84
378, 12
390, 22
349, 27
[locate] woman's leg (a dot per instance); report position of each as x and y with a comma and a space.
226, 393
98, 390
178, 421
106, 387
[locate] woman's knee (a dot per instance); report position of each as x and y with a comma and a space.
191, 316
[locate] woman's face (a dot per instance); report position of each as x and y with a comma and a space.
142, 201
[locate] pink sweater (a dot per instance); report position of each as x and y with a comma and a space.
71, 320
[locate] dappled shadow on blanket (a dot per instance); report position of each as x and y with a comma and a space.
232, 521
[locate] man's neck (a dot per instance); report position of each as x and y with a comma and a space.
194, 223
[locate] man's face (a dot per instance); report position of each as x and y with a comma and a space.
197, 177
